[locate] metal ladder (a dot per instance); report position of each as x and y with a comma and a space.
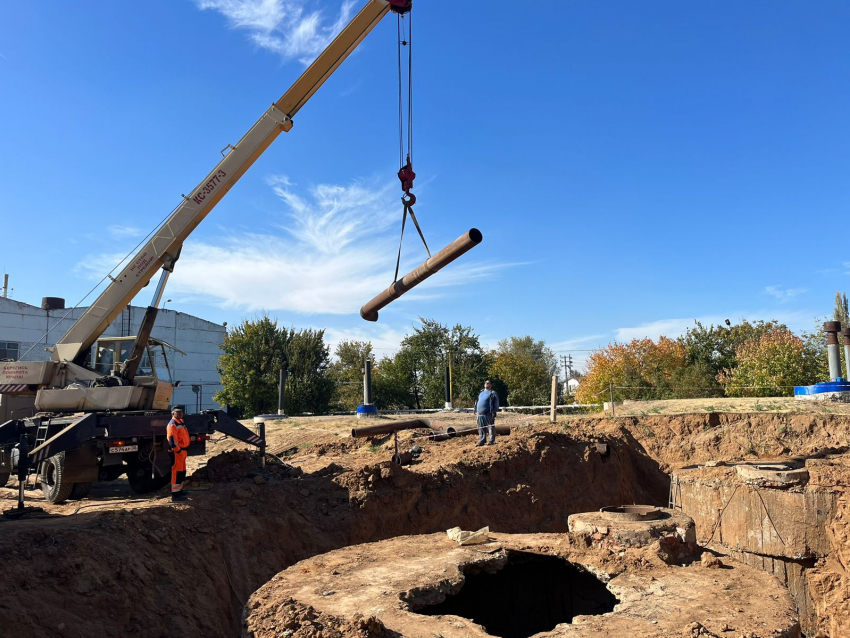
40, 437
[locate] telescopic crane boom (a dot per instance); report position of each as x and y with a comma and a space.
69, 366
163, 249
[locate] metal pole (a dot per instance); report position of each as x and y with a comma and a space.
262, 444
5, 286
281, 393
367, 382
450, 377
611, 390
553, 411
448, 388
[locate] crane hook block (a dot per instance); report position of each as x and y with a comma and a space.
447, 255
400, 6
406, 175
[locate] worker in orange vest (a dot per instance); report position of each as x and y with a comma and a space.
178, 444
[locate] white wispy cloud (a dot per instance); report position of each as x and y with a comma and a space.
118, 231
294, 29
579, 343
784, 294
334, 249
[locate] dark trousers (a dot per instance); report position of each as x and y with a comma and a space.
486, 426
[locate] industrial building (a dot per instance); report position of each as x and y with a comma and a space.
26, 331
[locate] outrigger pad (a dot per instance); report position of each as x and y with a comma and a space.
231, 427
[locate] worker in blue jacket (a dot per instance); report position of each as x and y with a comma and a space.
486, 408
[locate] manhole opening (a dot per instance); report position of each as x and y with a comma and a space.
531, 594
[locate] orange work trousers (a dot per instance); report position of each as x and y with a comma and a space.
178, 471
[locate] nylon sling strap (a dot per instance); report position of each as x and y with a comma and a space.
408, 209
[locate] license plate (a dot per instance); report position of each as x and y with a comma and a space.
120, 449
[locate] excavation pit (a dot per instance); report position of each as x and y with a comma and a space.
532, 593
516, 586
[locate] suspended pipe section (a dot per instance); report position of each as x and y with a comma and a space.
447, 255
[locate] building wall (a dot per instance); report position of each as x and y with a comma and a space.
201, 340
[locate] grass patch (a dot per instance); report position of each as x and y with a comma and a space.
375, 448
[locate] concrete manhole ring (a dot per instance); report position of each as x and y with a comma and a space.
773, 474
633, 512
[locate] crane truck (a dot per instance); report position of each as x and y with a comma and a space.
98, 409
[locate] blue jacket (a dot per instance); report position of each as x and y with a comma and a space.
488, 401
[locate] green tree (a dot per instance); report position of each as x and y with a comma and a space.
769, 365
347, 373
394, 383
254, 353
814, 344
534, 350
841, 312
416, 373
715, 347
527, 380
309, 387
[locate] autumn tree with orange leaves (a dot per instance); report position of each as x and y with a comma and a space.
640, 369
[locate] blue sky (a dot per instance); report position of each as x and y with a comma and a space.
632, 166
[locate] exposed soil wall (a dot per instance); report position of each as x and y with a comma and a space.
166, 570
800, 533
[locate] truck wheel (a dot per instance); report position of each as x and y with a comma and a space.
56, 490
139, 478
4, 478
80, 491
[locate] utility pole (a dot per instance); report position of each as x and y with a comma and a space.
568, 370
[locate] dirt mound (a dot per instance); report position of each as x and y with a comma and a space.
239, 464
291, 618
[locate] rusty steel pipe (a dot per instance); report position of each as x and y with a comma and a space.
402, 458
501, 430
447, 255
389, 428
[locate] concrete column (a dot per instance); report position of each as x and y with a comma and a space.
846, 334
832, 328
281, 393
553, 409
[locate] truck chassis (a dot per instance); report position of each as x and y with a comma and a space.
69, 453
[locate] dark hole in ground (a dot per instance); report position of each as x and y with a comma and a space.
531, 594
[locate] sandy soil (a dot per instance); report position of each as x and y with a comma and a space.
730, 405
117, 563
392, 580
